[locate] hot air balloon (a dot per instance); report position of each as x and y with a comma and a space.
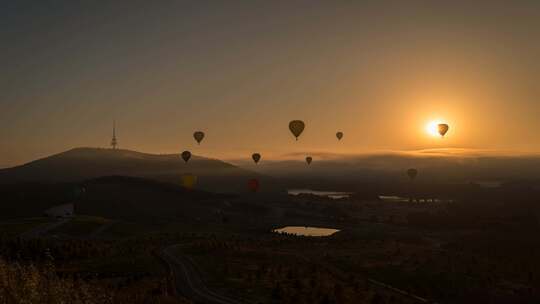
186, 155
296, 127
443, 128
253, 184
309, 159
189, 181
339, 135
256, 157
199, 136
412, 173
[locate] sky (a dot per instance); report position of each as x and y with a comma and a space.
241, 70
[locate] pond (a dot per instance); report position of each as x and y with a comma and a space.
399, 199
393, 198
489, 184
329, 194
306, 231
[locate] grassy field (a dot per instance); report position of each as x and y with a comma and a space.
12, 228
80, 226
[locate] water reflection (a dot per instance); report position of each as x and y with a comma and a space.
399, 199
306, 231
489, 184
392, 198
329, 194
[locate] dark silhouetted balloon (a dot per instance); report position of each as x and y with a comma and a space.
253, 184
339, 135
199, 136
186, 155
296, 127
309, 159
412, 173
443, 128
256, 157
189, 181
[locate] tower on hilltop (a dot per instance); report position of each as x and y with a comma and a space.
114, 142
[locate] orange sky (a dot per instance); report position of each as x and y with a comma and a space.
378, 71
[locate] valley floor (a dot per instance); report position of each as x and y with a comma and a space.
382, 254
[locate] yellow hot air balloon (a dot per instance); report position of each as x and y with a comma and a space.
199, 136
412, 173
339, 135
442, 128
256, 157
296, 127
186, 155
189, 181
309, 159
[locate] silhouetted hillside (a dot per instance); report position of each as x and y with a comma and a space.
32, 199
112, 196
130, 197
81, 164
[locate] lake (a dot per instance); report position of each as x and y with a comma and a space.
393, 198
399, 199
489, 184
329, 194
306, 231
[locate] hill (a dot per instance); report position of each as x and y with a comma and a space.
81, 164
127, 198
111, 196
136, 198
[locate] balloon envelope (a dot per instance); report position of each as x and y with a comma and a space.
186, 155
339, 135
309, 159
253, 184
256, 157
412, 173
296, 127
199, 135
442, 128
189, 181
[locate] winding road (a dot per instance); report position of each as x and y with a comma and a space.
187, 279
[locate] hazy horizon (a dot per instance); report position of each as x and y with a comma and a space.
378, 70
324, 156
250, 151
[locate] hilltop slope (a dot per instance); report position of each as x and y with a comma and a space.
81, 164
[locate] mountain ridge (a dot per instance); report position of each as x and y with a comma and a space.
79, 164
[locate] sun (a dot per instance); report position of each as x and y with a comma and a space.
432, 128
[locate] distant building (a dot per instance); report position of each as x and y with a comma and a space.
61, 211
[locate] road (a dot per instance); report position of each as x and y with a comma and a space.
343, 276
187, 279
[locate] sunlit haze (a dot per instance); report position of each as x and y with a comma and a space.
283, 151
379, 71
432, 128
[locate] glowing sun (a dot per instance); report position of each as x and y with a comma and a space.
432, 128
